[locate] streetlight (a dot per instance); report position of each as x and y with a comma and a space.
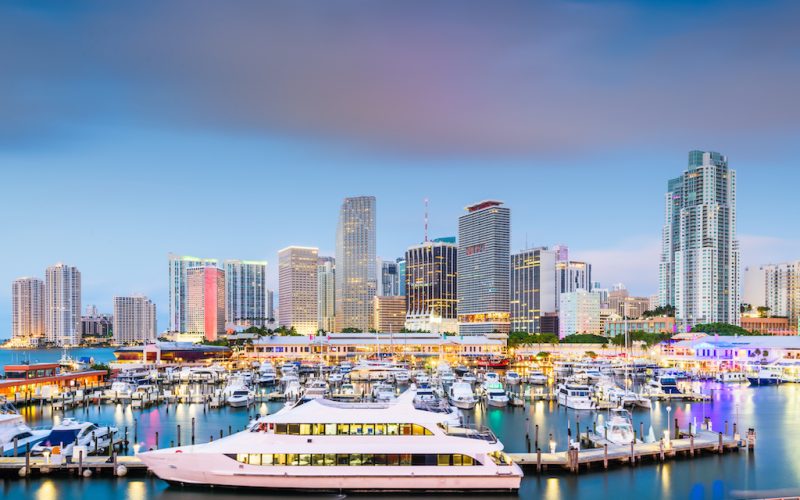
669, 421
136, 447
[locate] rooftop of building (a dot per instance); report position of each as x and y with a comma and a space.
482, 204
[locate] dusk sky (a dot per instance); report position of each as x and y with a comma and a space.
234, 129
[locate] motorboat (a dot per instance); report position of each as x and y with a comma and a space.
469, 378
462, 396
336, 378
383, 392
617, 428
237, 394
447, 378
267, 374
537, 378
402, 376
292, 390
490, 378
15, 432
496, 396
318, 388
663, 384
512, 378
323, 445
63, 437
765, 376
574, 395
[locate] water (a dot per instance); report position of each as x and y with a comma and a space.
773, 411
13, 356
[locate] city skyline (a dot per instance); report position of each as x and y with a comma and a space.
576, 125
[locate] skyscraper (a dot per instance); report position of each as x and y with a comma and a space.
401, 276
571, 275
699, 270
205, 301
178, 264
27, 310
579, 313
432, 288
297, 288
389, 313
63, 305
245, 293
326, 293
484, 235
134, 319
356, 282
533, 288
271, 306
777, 287
389, 283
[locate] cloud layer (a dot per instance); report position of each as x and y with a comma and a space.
450, 77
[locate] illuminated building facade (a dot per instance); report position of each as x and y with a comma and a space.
246, 293
484, 235
63, 305
27, 311
134, 319
579, 313
326, 294
389, 313
533, 288
356, 281
432, 287
178, 265
205, 301
297, 288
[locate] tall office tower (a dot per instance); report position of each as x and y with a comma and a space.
356, 281
297, 289
134, 319
389, 282
572, 275
755, 286
205, 301
27, 310
484, 264
178, 264
389, 313
401, 276
326, 293
579, 313
533, 288
432, 287
63, 305
245, 293
271, 306
699, 270
782, 291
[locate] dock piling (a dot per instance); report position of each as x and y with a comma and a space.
179, 434
192, 430
605, 456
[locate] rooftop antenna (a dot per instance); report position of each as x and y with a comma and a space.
426, 220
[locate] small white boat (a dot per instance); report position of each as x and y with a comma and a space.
462, 396
14, 431
383, 392
575, 396
496, 396
469, 378
318, 388
731, 377
64, 436
618, 429
512, 378
402, 377
537, 378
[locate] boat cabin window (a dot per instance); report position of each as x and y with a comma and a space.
364, 459
346, 429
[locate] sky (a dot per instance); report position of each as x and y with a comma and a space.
234, 129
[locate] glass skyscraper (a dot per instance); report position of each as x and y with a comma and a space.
533, 288
432, 288
245, 293
356, 282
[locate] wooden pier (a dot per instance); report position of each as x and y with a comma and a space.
686, 445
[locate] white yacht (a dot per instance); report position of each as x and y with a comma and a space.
322, 445
512, 378
495, 395
618, 429
402, 376
537, 378
63, 437
13, 427
469, 378
374, 370
237, 394
731, 377
383, 391
318, 388
267, 374
575, 396
664, 384
462, 396
490, 378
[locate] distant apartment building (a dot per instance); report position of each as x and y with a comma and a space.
431, 271
326, 294
626, 306
533, 288
134, 319
297, 289
660, 324
356, 278
401, 276
178, 266
205, 301
699, 269
484, 262
389, 313
28, 311
246, 293
579, 313
776, 287
571, 275
271, 306
389, 283
63, 305
97, 324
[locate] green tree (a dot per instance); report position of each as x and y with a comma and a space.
720, 329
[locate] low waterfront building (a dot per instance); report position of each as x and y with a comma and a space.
661, 324
172, 352
768, 326
340, 346
715, 353
44, 380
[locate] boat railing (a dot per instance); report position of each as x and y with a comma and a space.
482, 432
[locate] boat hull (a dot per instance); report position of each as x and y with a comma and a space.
762, 381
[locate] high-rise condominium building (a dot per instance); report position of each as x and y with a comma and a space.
245, 293
754, 291
389, 313
356, 282
777, 287
484, 235
533, 288
432, 287
205, 301
178, 265
579, 313
27, 310
699, 270
297, 288
571, 275
271, 306
134, 319
401, 276
326, 293
63, 305
389, 283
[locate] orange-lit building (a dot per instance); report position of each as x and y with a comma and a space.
31, 379
768, 326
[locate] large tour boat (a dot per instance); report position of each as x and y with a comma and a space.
321, 445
